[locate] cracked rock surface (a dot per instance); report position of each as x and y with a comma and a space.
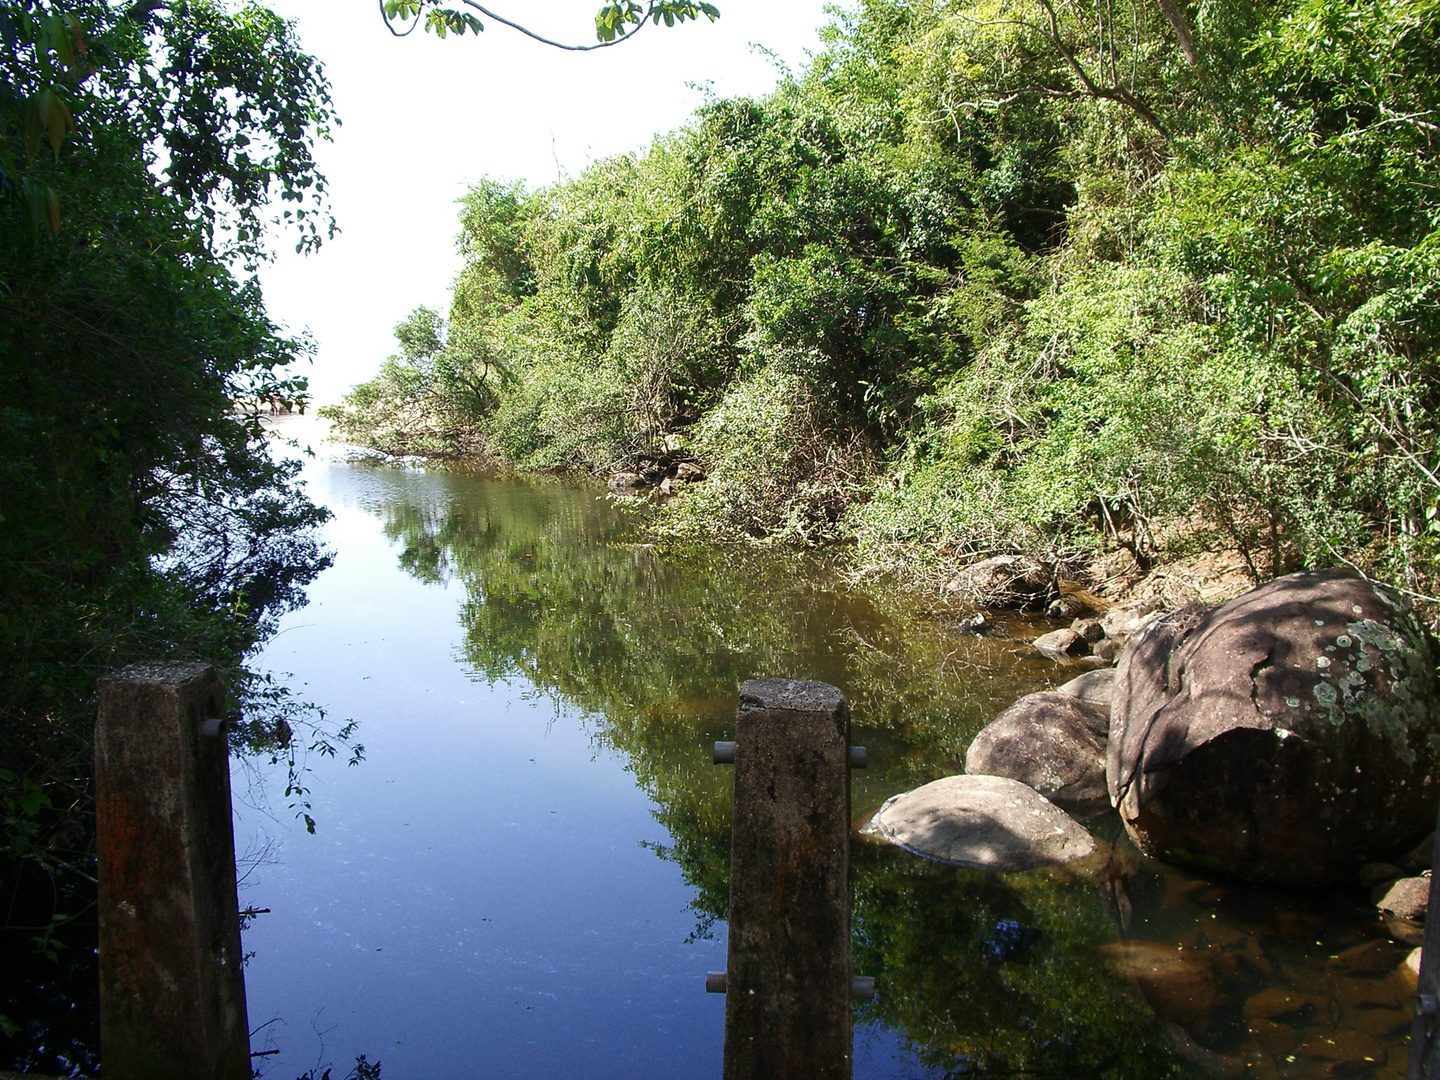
1291, 735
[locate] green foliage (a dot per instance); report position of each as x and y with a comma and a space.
778, 473
429, 398
52, 45
142, 515
988, 276
612, 20
438, 21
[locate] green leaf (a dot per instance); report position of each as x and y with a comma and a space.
32, 798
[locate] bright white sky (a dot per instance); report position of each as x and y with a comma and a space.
422, 117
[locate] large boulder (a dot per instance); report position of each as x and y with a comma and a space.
981, 822
1290, 735
627, 483
1049, 741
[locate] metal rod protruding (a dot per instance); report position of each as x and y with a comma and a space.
715, 982
858, 758
724, 753
862, 987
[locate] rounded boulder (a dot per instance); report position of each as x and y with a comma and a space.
981, 822
1052, 742
1289, 736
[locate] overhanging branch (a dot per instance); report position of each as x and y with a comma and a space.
619, 39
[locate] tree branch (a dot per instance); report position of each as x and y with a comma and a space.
393, 32
558, 44
1114, 93
1172, 11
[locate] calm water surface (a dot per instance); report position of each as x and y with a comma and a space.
527, 875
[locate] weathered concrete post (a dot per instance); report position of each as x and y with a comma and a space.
787, 982
172, 990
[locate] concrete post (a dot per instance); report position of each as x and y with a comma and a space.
787, 981
172, 990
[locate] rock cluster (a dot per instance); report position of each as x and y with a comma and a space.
1101, 637
1289, 736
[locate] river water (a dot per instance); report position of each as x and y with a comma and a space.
527, 875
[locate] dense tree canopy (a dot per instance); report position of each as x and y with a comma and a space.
1053, 275
146, 151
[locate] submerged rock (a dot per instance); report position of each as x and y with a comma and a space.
1179, 985
1290, 735
1367, 960
1049, 741
1281, 1002
1062, 642
982, 822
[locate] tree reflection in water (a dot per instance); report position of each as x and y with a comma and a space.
984, 975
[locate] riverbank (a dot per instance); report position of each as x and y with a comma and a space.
937, 576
